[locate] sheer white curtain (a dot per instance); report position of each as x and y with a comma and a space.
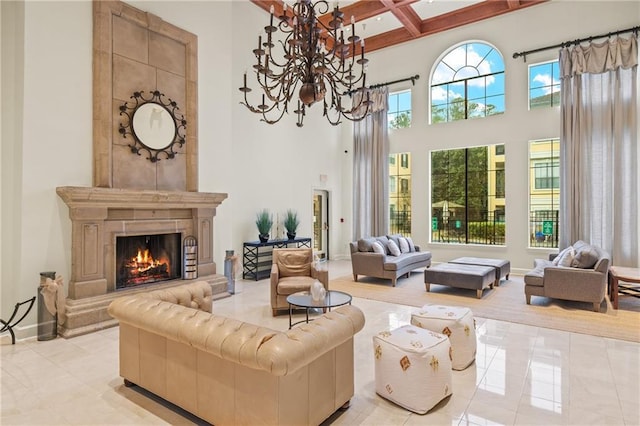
599, 113
371, 168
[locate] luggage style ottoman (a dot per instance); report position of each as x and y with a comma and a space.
412, 367
473, 277
503, 267
455, 322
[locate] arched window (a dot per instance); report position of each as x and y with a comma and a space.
468, 82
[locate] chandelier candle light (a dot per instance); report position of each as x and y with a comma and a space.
313, 60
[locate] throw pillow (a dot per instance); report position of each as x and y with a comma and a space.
395, 238
412, 247
377, 247
556, 260
393, 248
384, 242
586, 257
364, 244
404, 245
567, 257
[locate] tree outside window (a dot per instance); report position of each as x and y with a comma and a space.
399, 110
467, 196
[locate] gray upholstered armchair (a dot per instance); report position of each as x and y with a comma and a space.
577, 273
293, 271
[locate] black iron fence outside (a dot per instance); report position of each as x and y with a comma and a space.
400, 223
543, 228
486, 228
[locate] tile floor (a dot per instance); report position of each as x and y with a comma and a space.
522, 375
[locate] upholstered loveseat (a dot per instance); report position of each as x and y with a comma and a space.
227, 371
577, 273
385, 263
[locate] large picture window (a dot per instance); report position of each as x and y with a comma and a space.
544, 192
468, 195
400, 194
468, 82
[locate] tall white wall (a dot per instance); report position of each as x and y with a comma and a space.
277, 166
538, 26
47, 128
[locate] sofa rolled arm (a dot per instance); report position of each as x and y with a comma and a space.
286, 352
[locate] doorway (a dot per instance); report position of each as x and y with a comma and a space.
321, 223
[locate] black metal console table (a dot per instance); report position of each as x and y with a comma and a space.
256, 256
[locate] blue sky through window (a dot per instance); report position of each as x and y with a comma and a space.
481, 66
544, 84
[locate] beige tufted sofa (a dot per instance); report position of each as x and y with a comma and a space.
227, 371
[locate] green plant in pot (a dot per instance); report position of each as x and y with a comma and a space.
291, 223
264, 221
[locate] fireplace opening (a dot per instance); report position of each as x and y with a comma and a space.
145, 259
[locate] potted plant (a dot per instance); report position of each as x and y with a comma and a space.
264, 221
291, 223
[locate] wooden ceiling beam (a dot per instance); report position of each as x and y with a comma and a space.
467, 15
413, 27
406, 15
513, 4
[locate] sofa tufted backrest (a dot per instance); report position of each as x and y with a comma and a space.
196, 295
251, 345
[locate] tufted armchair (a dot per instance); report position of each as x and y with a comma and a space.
293, 271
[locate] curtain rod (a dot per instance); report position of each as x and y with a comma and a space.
375, 86
413, 82
578, 41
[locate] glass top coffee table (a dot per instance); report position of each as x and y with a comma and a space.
303, 300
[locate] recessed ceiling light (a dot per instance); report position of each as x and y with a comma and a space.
379, 18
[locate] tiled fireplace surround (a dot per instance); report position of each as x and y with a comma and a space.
134, 50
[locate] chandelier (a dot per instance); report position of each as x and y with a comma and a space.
311, 60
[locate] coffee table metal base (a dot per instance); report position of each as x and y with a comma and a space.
304, 300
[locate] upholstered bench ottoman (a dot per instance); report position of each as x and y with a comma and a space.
458, 324
473, 277
412, 367
502, 266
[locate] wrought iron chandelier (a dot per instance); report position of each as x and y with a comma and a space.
313, 61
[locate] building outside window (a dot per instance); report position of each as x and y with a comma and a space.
400, 194
544, 85
468, 82
468, 196
399, 112
544, 193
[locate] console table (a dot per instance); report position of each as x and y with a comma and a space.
256, 256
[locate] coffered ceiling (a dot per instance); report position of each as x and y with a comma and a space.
385, 23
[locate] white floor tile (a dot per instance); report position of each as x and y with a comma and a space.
522, 375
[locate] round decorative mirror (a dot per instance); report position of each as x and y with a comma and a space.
154, 124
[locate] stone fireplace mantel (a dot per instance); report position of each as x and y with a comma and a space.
119, 198
100, 215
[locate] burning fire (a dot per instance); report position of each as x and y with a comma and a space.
144, 261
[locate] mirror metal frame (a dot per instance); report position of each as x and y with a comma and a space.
128, 110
